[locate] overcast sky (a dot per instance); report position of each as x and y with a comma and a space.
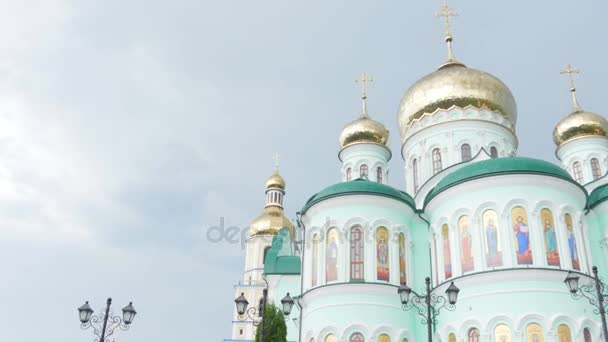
128, 128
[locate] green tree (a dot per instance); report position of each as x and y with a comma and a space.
275, 329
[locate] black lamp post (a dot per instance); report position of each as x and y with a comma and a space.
594, 292
256, 314
105, 323
428, 304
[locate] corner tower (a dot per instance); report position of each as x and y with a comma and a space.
452, 114
364, 152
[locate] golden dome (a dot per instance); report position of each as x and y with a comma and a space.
453, 84
270, 222
364, 130
275, 181
580, 124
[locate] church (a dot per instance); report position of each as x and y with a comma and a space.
505, 229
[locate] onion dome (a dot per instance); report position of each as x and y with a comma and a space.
456, 85
270, 222
364, 129
579, 123
275, 181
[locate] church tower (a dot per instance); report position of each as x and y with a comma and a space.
261, 232
582, 141
451, 115
364, 152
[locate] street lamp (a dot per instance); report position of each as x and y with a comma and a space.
106, 323
256, 314
428, 304
595, 293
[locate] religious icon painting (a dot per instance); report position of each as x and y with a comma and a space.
492, 239
447, 257
466, 244
402, 269
573, 249
331, 270
382, 254
550, 237
521, 230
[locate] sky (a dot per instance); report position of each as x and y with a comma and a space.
129, 128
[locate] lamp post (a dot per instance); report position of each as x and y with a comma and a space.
105, 323
594, 292
256, 314
428, 304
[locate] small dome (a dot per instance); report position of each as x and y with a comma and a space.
270, 222
454, 84
275, 181
580, 124
364, 130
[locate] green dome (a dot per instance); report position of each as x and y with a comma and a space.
359, 187
599, 195
499, 166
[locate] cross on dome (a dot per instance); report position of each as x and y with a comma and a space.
446, 13
571, 72
363, 81
276, 161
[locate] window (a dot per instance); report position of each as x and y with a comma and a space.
452, 337
315, 259
379, 174
241, 331
473, 335
578, 172
265, 253
402, 269
363, 172
586, 335
382, 261
563, 331
465, 152
436, 161
447, 259
331, 338
493, 152
356, 254
349, 174
384, 338
415, 173
356, 337
466, 244
596, 171
502, 333
521, 232
535, 333
331, 268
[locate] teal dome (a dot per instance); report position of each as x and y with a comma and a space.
359, 187
599, 195
499, 166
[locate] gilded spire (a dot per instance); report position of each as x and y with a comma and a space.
276, 163
446, 13
571, 72
364, 80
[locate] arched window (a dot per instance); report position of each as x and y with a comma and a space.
492, 238
534, 333
550, 237
384, 338
466, 244
331, 256
349, 174
596, 171
465, 152
563, 331
402, 269
587, 335
415, 173
578, 172
379, 174
382, 260
452, 337
436, 161
473, 335
447, 258
331, 338
356, 337
265, 253
502, 333
493, 152
315, 259
356, 254
363, 171
521, 232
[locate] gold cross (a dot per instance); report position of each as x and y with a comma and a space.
570, 72
446, 13
364, 80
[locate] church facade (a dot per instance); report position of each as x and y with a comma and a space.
505, 229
